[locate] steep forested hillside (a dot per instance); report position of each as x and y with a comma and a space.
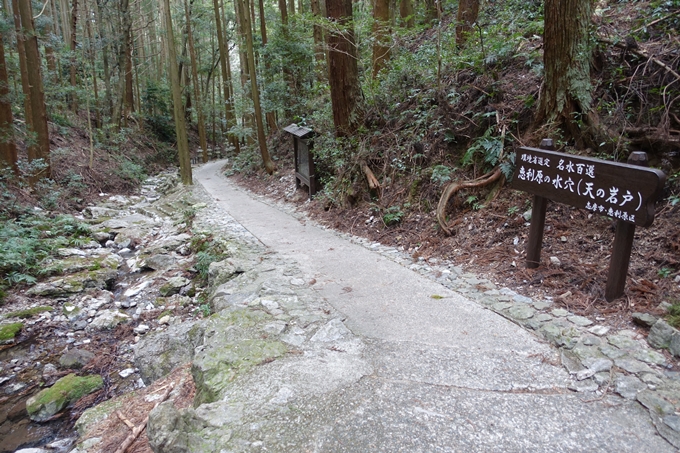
404, 98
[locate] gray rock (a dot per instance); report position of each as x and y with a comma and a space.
660, 334
588, 385
220, 272
334, 330
580, 321
559, 312
623, 342
571, 362
141, 329
674, 346
101, 236
598, 364
612, 352
521, 312
108, 319
632, 365
96, 212
158, 353
654, 403
599, 330
650, 356
173, 286
673, 421
644, 319
161, 261
75, 358
628, 386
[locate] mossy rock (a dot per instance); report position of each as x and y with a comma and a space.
28, 313
65, 391
9, 331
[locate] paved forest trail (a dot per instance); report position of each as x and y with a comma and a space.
448, 373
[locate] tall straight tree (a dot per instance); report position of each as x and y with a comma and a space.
468, 10
38, 111
8, 149
381, 32
203, 140
566, 91
124, 103
319, 52
261, 138
343, 70
180, 123
230, 114
72, 45
271, 116
406, 13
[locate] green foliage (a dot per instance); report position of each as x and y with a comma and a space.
28, 313
30, 240
157, 113
393, 215
9, 331
441, 174
665, 272
129, 170
673, 316
208, 250
486, 149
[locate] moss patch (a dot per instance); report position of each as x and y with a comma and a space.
9, 331
65, 391
28, 313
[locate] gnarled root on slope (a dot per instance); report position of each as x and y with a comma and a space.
454, 187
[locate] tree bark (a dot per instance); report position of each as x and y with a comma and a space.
180, 124
38, 112
319, 52
566, 92
261, 138
8, 149
430, 12
406, 13
121, 105
343, 68
381, 34
271, 116
230, 115
202, 138
72, 44
468, 11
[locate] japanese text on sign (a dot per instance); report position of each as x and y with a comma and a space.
617, 190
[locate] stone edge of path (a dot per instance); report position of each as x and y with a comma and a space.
598, 358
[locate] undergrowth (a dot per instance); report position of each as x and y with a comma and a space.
29, 240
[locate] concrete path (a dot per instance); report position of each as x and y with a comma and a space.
450, 375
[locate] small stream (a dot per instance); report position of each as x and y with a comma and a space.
24, 363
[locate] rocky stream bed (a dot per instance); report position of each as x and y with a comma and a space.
131, 330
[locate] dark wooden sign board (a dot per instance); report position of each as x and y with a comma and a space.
626, 192
304, 161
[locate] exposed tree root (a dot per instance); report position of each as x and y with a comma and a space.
454, 187
373, 182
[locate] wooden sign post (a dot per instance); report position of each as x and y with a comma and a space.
626, 192
305, 171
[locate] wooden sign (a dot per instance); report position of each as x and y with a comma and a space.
621, 191
304, 163
626, 192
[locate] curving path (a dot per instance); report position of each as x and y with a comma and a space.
449, 375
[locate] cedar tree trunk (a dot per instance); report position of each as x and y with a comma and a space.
343, 71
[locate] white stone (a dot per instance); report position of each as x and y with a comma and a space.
599, 330
127, 372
